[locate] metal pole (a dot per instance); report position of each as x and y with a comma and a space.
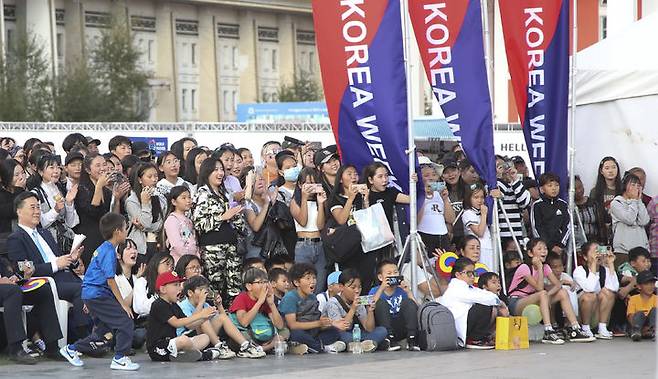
572, 133
413, 223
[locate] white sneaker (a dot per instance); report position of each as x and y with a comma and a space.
588, 332
124, 364
224, 351
335, 347
251, 351
604, 334
71, 356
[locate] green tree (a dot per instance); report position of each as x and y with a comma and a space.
26, 86
303, 88
78, 96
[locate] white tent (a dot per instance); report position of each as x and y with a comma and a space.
617, 103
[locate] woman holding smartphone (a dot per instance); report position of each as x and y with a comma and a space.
307, 208
434, 215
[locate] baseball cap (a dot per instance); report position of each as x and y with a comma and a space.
140, 147
449, 164
423, 160
282, 155
518, 159
333, 278
93, 140
323, 156
167, 278
70, 157
646, 277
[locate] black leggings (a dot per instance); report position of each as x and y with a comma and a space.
480, 322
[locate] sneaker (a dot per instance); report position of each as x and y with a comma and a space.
588, 332
251, 351
636, 336
124, 364
38, 346
94, 349
30, 349
192, 355
412, 345
391, 344
210, 354
577, 335
551, 337
481, 344
368, 346
224, 351
298, 348
71, 356
335, 347
604, 334
22, 357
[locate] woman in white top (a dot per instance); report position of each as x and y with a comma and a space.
434, 216
255, 211
126, 277
598, 284
308, 209
144, 293
169, 167
58, 213
475, 222
145, 208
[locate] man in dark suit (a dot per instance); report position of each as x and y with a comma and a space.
43, 313
31, 243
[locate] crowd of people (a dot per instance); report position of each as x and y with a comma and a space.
200, 254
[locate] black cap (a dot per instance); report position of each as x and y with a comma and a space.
282, 155
140, 147
93, 140
332, 148
518, 159
646, 277
70, 157
323, 156
449, 164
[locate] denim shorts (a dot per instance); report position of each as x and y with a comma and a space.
511, 304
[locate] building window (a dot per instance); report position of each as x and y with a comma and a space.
311, 62
184, 100
150, 51
60, 45
235, 101
193, 99
274, 59
193, 54
226, 102
235, 57
9, 40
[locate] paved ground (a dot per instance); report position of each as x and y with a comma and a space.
620, 359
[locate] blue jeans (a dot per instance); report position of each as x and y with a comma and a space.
377, 335
313, 253
325, 337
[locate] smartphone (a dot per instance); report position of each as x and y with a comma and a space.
315, 187
395, 280
601, 250
365, 300
293, 141
440, 186
359, 187
315, 145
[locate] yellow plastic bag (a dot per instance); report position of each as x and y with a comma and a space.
511, 333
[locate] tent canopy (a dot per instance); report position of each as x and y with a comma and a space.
617, 103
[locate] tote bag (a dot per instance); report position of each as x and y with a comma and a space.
374, 228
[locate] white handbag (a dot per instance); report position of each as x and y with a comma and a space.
374, 228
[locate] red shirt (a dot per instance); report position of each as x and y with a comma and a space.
243, 302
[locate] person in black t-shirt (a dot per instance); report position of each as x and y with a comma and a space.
376, 176
162, 342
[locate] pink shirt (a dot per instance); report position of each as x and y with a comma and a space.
180, 236
652, 209
521, 272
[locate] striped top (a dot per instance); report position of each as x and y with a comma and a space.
515, 200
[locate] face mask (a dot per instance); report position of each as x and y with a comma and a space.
291, 174
437, 186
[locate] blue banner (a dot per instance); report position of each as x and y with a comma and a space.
157, 145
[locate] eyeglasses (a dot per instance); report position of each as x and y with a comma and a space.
259, 282
194, 268
470, 274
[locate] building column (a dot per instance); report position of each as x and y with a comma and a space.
287, 51
166, 107
208, 103
37, 18
248, 57
2, 30
74, 31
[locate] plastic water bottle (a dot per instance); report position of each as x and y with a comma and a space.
279, 348
356, 339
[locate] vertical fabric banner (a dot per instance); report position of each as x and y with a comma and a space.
363, 75
449, 36
537, 44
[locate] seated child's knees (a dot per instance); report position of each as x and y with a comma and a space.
588, 297
606, 293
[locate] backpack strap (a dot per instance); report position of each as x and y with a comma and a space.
346, 308
602, 275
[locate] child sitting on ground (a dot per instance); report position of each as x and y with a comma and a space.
101, 295
554, 261
345, 306
333, 288
599, 284
527, 288
162, 342
280, 284
254, 311
309, 332
474, 309
196, 291
641, 312
490, 281
395, 306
